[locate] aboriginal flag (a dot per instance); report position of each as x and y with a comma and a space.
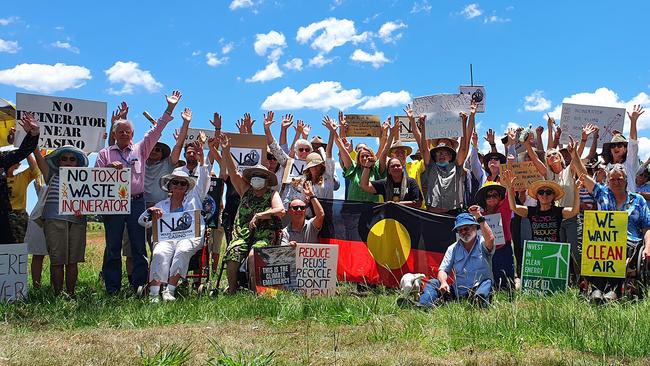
378, 243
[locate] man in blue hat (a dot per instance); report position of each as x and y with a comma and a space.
469, 259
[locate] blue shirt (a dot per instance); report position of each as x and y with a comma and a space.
469, 268
638, 213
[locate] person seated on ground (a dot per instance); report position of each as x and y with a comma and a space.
257, 223
170, 258
641, 180
301, 230
396, 187
65, 235
492, 199
621, 151
469, 259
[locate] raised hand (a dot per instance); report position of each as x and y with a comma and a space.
509, 178
558, 132
201, 139
249, 122
473, 108
299, 126
172, 101
224, 140
475, 139
29, 123
571, 146
347, 144
588, 130
343, 124
394, 130
636, 112
463, 116
409, 111
512, 136
241, 126
539, 130
268, 119
287, 121
187, 115
489, 136
307, 190
550, 121
216, 121
305, 131
475, 210
176, 133
121, 113
329, 124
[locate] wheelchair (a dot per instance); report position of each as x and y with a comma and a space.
637, 274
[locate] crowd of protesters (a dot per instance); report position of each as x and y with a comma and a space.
447, 176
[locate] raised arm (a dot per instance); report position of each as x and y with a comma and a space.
344, 154
634, 116
389, 134
594, 146
365, 177
27, 146
42, 164
182, 135
463, 150
122, 112
241, 186
287, 121
418, 134
509, 180
541, 167
486, 232
539, 142
569, 212
489, 137
300, 126
586, 131
551, 130
310, 197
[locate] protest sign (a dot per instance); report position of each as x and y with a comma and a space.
575, 116
212, 202
604, 244
442, 111
176, 226
477, 93
526, 173
293, 169
495, 223
405, 133
193, 135
545, 267
13, 272
247, 150
363, 125
105, 191
275, 268
64, 121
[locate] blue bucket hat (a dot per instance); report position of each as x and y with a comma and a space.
53, 157
465, 219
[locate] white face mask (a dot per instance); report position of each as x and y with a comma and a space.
258, 183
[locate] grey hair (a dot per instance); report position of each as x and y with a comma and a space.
301, 142
120, 122
618, 168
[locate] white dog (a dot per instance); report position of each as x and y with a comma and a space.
410, 285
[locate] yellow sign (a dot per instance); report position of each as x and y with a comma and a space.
604, 244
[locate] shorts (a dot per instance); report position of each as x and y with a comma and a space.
35, 239
18, 224
66, 241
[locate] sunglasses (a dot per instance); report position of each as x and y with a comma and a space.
547, 192
494, 158
181, 183
270, 157
68, 158
298, 208
304, 149
618, 144
493, 195
157, 149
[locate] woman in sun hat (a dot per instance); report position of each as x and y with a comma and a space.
170, 258
621, 151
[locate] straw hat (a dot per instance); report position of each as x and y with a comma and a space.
417, 155
444, 146
487, 157
535, 186
399, 145
271, 179
314, 159
178, 174
481, 194
453, 142
607, 152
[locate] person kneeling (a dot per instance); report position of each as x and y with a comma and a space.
171, 258
470, 259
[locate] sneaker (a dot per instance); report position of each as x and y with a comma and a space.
167, 296
610, 296
154, 299
596, 297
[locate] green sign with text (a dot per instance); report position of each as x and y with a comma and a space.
546, 267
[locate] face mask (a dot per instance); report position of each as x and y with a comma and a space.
258, 183
442, 164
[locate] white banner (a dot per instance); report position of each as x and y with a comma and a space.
193, 135
13, 272
495, 223
442, 111
105, 191
575, 116
64, 121
476, 93
177, 226
293, 170
316, 268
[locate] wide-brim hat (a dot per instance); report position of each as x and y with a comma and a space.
314, 159
454, 142
271, 179
481, 194
535, 186
165, 149
465, 219
52, 158
417, 155
177, 173
606, 152
443, 146
400, 145
487, 157
317, 140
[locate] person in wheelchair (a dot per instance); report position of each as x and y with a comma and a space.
170, 258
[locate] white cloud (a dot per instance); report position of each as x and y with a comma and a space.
241, 4
321, 96
471, 11
65, 46
536, 102
333, 33
130, 76
495, 19
377, 59
422, 7
644, 148
335, 3
45, 78
387, 29
196, 53
9, 46
7, 21
320, 61
213, 60
293, 64
226, 48
387, 99
273, 41
270, 72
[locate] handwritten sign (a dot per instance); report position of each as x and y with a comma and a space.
316, 268
64, 121
575, 116
604, 244
104, 191
526, 174
405, 133
363, 125
176, 226
442, 111
247, 150
495, 223
193, 135
477, 93
545, 267
293, 170
13, 272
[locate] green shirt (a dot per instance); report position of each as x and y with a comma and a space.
353, 175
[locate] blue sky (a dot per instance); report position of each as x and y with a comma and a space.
314, 57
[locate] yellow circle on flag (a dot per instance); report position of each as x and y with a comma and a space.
389, 243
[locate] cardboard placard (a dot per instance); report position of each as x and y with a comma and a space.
443, 113
545, 267
247, 150
13, 272
477, 93
64, 121
275, 268
293, 170
193, 135
175, 226
405, 133
604, 244
363, 125
575, 116
526, 174
105, 191
495, 223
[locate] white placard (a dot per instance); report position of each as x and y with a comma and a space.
64, 121
495, 223
293, 170
193, 135
575, 116
176, 226
13, 272
477, 93
442, 111
316, 268
405, 133
105, 191
246, 157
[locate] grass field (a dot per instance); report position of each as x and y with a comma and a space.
288, 329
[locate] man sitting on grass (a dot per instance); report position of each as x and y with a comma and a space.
470, 259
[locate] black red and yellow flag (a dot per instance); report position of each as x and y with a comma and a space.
378, 243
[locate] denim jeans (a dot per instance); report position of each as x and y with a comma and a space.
431, 293
114, 229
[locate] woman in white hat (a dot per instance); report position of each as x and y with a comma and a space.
170, 258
